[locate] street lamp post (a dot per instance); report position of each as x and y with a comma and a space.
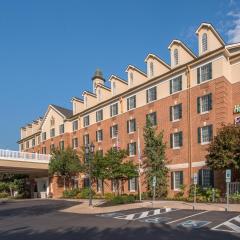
89, 151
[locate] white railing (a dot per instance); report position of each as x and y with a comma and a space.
23, 156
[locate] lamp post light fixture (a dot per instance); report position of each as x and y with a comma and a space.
89, 151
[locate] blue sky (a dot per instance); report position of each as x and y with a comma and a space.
49, 50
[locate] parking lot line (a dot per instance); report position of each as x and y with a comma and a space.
196, 214
229, 224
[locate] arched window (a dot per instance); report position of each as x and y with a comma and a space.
204, 42
131, 78
175, 55
114, 88
151, 69
99, 95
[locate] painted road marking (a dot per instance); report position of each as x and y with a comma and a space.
177, 220
193, 224
231, 227
145, 214
110, 215
155, 220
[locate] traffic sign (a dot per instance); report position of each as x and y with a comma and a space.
195, 178
228, 175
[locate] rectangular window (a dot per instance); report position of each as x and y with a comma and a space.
99, 135
99, 185
61, 145
152, 117
44, 136
151, 94
75, 143
132, 149
86, 121
131, 125
86, 139
114, 185
204, 73
27, 144
205, 134
114, 109
176, 112
204, 103
33, 142
75, 125
52, 146
52, 132
114, 131
44, 150
22, 146
176, 84
132, 185
205, 178
61, 129
176, 140
131, 102
99, 115
176, 180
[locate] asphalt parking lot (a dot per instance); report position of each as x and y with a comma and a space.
43, 219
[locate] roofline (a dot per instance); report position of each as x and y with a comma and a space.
164, 75
117, 78
183, 45
209, 25
77, 99
135, 68
28, 137
158, 58
233, 45
103, 86
89, 93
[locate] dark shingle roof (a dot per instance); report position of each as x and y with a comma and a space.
66, 112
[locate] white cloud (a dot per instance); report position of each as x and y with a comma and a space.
234, 32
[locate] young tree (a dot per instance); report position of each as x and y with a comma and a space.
117, 169
65, 163
155, 160
224, 150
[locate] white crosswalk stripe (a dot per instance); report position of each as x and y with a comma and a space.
229, 226
145, 214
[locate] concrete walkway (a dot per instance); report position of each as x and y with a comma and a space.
83, 207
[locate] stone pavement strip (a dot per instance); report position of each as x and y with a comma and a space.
83, 207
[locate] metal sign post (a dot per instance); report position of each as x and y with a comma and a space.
228, 180
195, 180
154, 188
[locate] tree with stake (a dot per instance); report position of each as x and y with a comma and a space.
155, 160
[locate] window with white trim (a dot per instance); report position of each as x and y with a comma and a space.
204, 73
151, 94
206, 177
204, 42
204, 103
114, 109
131, 79
44, 150
99, 135
27, 144
75, 143
114, 131
175, 84
132, 149
176, 112
131, 102
52, 132
44, 136
175, 56
61, 129
151, 69
33, 142
61, 145
86, 139
99, 185
176, 180
113, 88
132, 184
75, 125
99, 115
176, 140
205, 134
86, 121
131, 125
152, 117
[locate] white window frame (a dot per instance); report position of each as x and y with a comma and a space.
128, 99
151, 69
204, 42
206, 80
176, 56
173, 112
98, 111
84, 139
132, 144
204, 127
98, 131
111, 107
174, 181
61, 129
174, 78
114, 88
74, 140
129, 124
86, 121
75, 125
201, 104
130, 184
114, 136
173, 142
52, 133
148, 99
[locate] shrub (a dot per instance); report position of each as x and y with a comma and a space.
4, 195
73, 193
123, 199
109, 196
235, 197
84, 193
4, 187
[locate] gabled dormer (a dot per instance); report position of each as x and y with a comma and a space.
90, 99
155, 66
97, 79
102, 92
180, 53
208, 38
135, 76
77, 105
118, 85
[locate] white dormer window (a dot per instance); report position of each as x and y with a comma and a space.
204, 42
99, 95
114, 88
175, 56
74, 108
86, 102
151, 69
131, 79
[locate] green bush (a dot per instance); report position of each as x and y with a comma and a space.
4, 187
84, 193
235, 197
4, 195
123, 199
73, 193
109, 196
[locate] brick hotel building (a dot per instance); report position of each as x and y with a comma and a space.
188, 99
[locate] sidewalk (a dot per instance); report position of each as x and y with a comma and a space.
83, 207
